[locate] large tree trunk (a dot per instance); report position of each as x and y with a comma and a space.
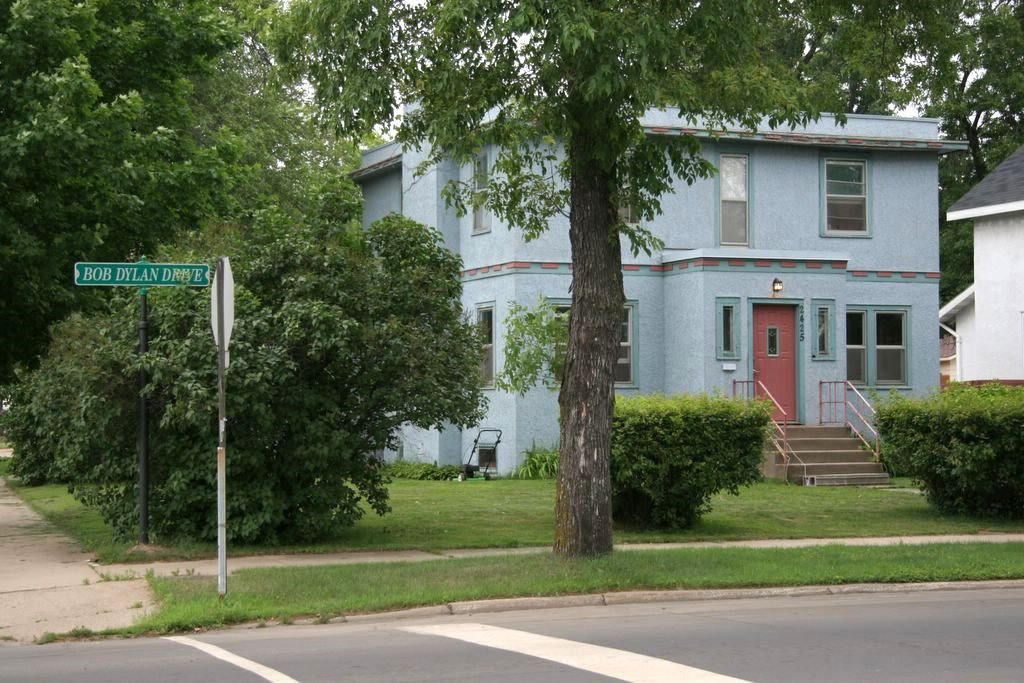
583, 509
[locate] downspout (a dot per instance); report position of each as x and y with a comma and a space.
959, 356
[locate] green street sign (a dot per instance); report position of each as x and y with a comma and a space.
142, 274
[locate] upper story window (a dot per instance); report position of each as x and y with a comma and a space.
846, 196
485, 323
481, 178
629, 215
732, 172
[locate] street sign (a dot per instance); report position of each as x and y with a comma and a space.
142, 274
228, 296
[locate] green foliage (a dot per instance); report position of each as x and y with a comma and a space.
98, 160
670, 455
340, 336
422, 471
972, 80
535, 342
962, 445
539, 462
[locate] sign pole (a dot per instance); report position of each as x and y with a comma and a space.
143, 424
223, 307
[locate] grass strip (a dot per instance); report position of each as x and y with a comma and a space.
324, 592
440, 515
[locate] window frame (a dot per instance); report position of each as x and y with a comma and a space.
481, 182
722, 199
725, 351
488, 346
562, 307
871, 346
865, 165
828, 305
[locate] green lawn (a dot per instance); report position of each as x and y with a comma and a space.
325, 592
431, 515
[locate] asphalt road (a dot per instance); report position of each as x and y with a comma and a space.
975, 635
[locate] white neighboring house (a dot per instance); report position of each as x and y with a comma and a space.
989, 315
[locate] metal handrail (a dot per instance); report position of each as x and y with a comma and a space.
864, 420
780, 427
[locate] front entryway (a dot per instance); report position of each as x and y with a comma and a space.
775, 355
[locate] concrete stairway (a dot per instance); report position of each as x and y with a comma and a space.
825, 456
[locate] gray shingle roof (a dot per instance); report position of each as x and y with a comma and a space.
1004, 185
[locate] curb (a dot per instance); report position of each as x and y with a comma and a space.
495, 606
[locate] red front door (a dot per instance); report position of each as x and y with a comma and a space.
775, 355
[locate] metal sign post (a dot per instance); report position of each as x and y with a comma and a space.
142, 274
222, 314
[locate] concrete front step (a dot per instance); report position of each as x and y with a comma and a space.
837, 443
827, 456
817, 431
796, 469
846, 479
824, 456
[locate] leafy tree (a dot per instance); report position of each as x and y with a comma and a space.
973, 80
340, 336
535, 341
96, 157
522, 76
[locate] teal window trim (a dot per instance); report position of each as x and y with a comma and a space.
823, 162
871, 346
633, 306
727, 336
829, 352
732, 150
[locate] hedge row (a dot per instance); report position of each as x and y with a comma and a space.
670, 455
964, 446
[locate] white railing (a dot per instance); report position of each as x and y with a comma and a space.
835, 406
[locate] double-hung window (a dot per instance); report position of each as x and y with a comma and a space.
732, 172
846, 196
481, 178
485, 323
876, 346
623, 369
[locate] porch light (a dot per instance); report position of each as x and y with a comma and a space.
776, 287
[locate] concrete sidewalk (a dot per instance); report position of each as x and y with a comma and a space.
48, 585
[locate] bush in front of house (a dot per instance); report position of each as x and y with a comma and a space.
422, 471
341, 335
964, 447
539, 462
671, 454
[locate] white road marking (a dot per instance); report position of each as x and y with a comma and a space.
626, 666
263, 672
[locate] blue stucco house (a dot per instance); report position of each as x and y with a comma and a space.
811, 258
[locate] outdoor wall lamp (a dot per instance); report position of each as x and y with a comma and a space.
776, 287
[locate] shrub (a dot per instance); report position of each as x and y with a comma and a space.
340, 336
671, 454
423, 471
963, 446
539, 463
